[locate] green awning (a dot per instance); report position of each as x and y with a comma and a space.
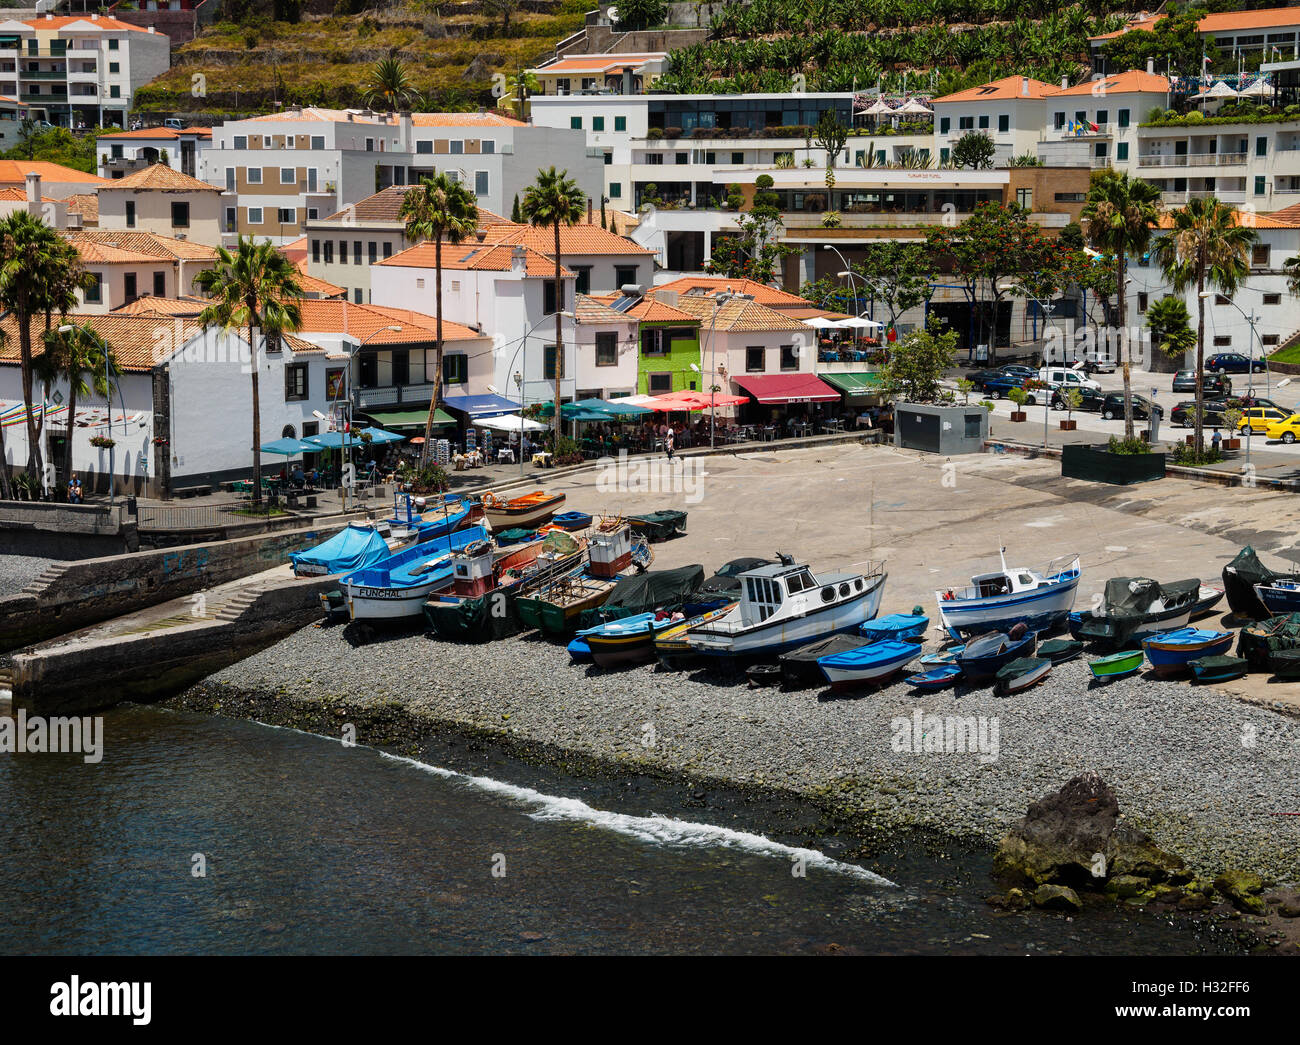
408, 419
855, 384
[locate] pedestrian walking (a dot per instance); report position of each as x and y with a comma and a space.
669, 443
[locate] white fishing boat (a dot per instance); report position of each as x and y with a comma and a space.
396, 587
783, 606
998, 601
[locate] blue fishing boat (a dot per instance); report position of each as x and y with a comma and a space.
940, 658
985, 655
396, 587
936, 678
1280, 595
627, 639
867, 664
572, 520
896, 626
426, 518
579, 651
1171, 652
354, 547
1038, 599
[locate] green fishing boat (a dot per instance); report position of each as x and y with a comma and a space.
557, 609
1117, 665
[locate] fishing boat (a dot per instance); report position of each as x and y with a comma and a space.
867, 665
1172, 652
936, 678
354, 547
649, 591
524, 512
1285, 664
1021, 674
998, 601
1239, 579
425, 518
395, 588
1281, 595
896, 626
1058, 651
628, 639
659, 526
672, 647
1207, 597
572, 521
479, 604
1218, 669
785, 606
612, 548
556, 607
942, 657
985, 655
799, 666
1116, 665
1261, 639
579, 651
1135, 608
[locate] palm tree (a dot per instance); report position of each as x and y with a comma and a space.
254, 287
438, 209
554, 199
38, 270
1206, 244
69, 356
519, 87
1120, 212
392, 86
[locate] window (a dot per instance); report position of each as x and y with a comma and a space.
653, 342
180, 215
1081, 116
370, 145
329, 252
1222, 340
315, 251
457, 146
583, 282
1143, 299
1123, 119
116, 152
115, 91
624, 274
1261, 187
128, 283
343, 252
548, 297
655, 159
1261, 146
241, 141
548, 365
487, 147
615, 190
232, 219
423, 148
94, 288
737, 158
575, 123
130, 214
288, 175
755, 360
312, 213
1103, 117
255, 218
1272, 299
287, 215
620, 123
295, 382
372, 252
1058, 120
657, 383
1259, 255
945, 124
160, 284
114, 67
681, 158
598, 123
388, 249
609, 159
943, 155
419, 283
1270, 340
984, 123
112, 44
1025, 198
789, 357
1121, 150
254, 175
356, 252
1004, 123
1071, 197
318, 141
965, 123
481, 183
455, 369
606, 349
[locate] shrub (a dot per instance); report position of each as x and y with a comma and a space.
1128, 446
1188, 457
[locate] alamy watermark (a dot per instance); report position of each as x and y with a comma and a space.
683, 475
922, 734
35, 734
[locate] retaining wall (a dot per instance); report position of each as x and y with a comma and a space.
51, 530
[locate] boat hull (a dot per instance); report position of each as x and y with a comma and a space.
980, 667
1169, 657
869, 665
555, 619
1278, 599
1042, 610
1116, 666
507, 516
373, 596
936, 678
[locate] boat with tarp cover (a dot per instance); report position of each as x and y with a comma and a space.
1134, 608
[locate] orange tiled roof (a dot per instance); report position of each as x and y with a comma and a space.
161, 176
14, 172
386, 205
1277, 220
148, 243
1006, 88
367, 322
707, 286
13, 194
740, 315
148, 133
589, 310
1224, 21
52, 22
86, 204
95, 253
183, 307
1291, 214
315, 285
649, 310
464, 119
133, 338
582, 238
476, 257
1131, 82
596, 63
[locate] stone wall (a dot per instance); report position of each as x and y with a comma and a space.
66, 531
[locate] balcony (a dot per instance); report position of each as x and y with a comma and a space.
1177, 199
1195, 159
392, 395
52, 74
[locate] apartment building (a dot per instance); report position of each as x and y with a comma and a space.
121, 152
1274, 31
286, 169
12, 113
1012, 111
79, 70
587, 74
164, 201
126, 265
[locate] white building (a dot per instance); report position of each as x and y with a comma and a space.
1012, 111
121, 152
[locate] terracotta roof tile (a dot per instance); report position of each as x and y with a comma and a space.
1006, 88
150, 243
649, 310
707, 286
589, 310
315, 285
1131, 82
14, 172
133, 338
13, 194
464, 119
184, 307
367, 322
386, 205
582, 238
599, 62
48, 22
86, 204
476, 257
95, 253
148, 133
312, 113
1277, 220
740, 315
160, 176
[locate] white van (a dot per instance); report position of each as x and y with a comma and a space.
1064, 377
173, 124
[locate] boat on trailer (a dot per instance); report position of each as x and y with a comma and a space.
998, 601
784, 606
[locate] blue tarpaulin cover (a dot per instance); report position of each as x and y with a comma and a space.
350, 549
486, 405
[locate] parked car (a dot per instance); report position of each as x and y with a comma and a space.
1233, 363
1017, 369
1092, 398
997, 383
1113, 406
1093, 362
1285, 430
1061, 376
1184, 414
1258, 418
1213, 384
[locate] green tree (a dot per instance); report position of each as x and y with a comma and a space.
898, 274
1176, 37
917, 364
1206, 245
635, 15
391, 87
1170, 324
1120, 213
253, 288
70, 356
504, 8
516, 215
831, 136
554, 200
973, 149
754, 253
519, 87
438, 209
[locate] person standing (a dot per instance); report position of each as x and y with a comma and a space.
669, 443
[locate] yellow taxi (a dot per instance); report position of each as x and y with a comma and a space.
1258, 418
1286, 430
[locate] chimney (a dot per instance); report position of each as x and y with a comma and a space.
1065, 83
1151, 67
74, 220
94, 18
33, 188
588, 210
518, 259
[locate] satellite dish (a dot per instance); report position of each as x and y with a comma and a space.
613, 14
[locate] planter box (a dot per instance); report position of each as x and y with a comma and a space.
1069, 426
1099, 465
1018, 415
1232, 444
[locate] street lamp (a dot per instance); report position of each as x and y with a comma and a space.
347, 438
521, 378
67, 328
719, 299
1047, 309
1251, 319
848, 271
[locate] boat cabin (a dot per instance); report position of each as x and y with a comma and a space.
769, 590
991, 585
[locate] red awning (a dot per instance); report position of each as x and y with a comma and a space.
787, 388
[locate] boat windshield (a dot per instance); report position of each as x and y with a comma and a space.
763, 595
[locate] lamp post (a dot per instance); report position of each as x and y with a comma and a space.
67, 328
347, 437
1252, 320
719, 300
1047, 308
848, 271
522, 378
